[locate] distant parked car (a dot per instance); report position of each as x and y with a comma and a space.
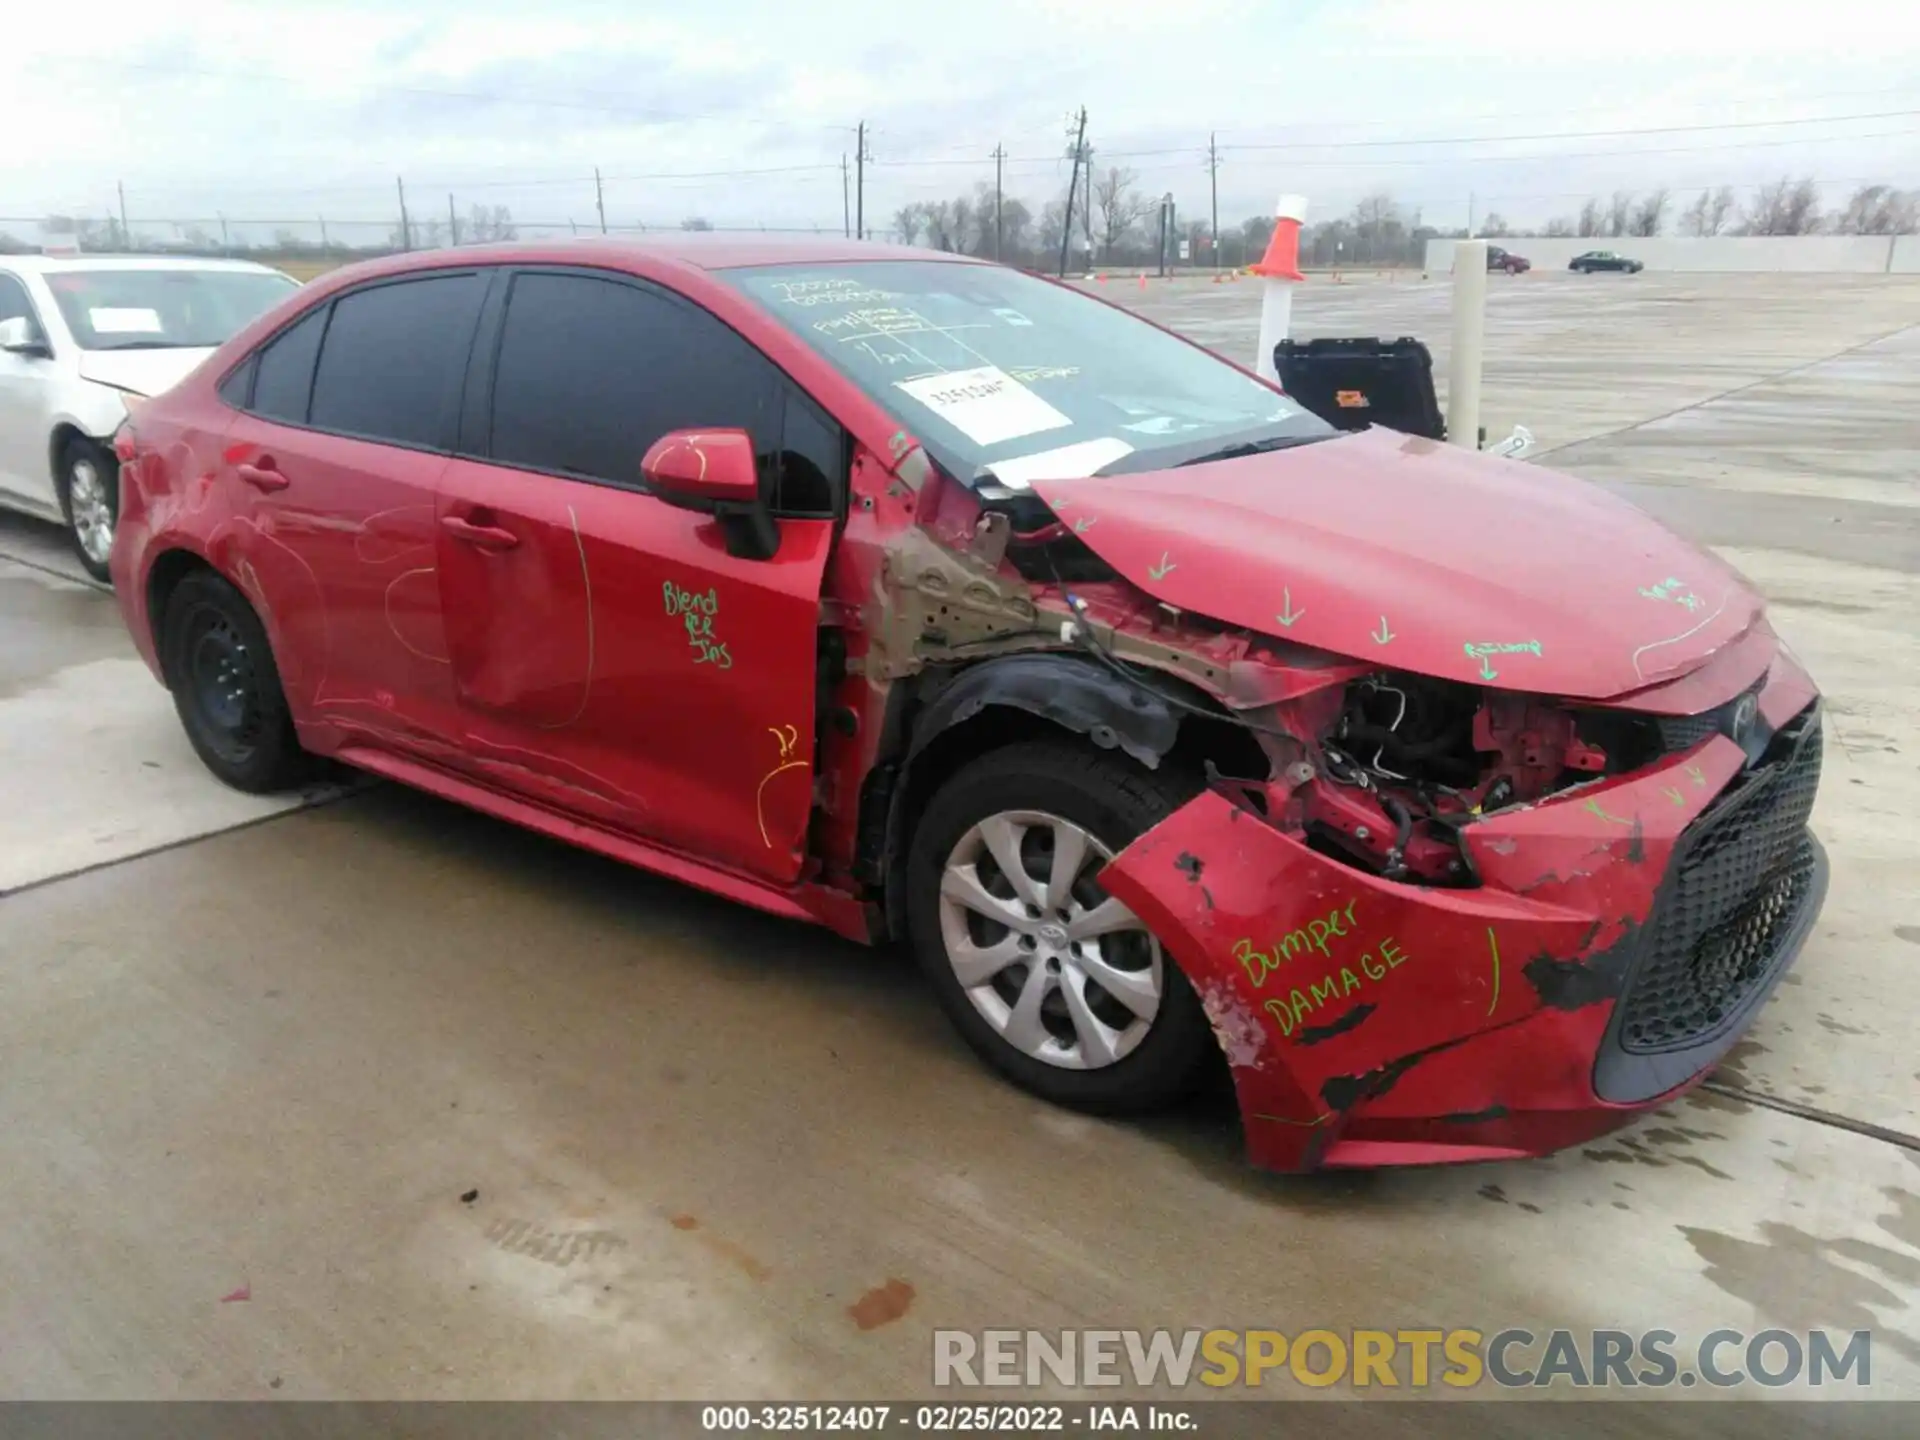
81, 337
1498, 259
1604, 260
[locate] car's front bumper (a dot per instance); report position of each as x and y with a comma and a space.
1620, 939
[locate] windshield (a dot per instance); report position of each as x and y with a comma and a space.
997, 371
162, 309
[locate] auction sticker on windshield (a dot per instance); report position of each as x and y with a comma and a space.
987, 405
123, 321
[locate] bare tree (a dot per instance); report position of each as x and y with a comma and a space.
1378, 230
1620, 212
1786, 207
1119, 205
1879, 210
909, 221
949, 223
1720, 211
1496, 227
488, 223
1592, 220
1649, 214
1053, 220
696, 222
1560, 226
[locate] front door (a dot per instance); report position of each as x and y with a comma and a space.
26, 392
610, 657
336, 461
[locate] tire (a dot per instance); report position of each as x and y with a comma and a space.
226, 687
1081, 1047
88, 485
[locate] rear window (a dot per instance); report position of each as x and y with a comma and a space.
1009, 378
393, 358
162, 309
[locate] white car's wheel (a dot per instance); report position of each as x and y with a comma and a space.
89, 486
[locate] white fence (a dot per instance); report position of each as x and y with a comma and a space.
1821, 254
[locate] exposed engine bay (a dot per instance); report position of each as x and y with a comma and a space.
1409, 760
1382, 772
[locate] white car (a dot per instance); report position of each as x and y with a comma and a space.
81, 338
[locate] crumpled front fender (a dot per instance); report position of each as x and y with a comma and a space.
1368, 1021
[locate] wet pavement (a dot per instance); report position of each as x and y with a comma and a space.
368, 1096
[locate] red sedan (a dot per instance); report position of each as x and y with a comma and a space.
1460, 806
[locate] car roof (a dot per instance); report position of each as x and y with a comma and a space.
710, 250
62, 264
698, 250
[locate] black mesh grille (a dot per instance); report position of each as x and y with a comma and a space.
1683, 732
1726, 910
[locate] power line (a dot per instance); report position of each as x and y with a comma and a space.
1581, 134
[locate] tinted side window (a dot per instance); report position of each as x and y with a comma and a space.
591, 372
394, 357
283, 373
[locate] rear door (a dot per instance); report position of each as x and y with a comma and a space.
609, 656
347, 422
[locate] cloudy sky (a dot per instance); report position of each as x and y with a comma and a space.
740, 110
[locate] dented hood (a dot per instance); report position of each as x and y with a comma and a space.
1423, 557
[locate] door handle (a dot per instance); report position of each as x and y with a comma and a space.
262, 477
482, 537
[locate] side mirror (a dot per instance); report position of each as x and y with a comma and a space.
714, 473
20, 336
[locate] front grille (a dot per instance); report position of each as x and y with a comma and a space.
1745, 875
1683, 732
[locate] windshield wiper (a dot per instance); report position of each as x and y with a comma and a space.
1250, 447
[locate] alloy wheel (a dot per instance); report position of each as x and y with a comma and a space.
91, 509
1063, 972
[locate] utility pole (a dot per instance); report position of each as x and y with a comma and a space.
1470, 200
1086, 210
223, 233
323, 246
126, 235
406, 230
1213, 178
453, 222
860, 183
846, 197
1073, 182
600, 199
999, 160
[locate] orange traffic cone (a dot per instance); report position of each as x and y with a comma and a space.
1103, 279
1143, 279
1282, 260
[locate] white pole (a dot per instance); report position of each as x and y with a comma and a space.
1279, 272
1469, 331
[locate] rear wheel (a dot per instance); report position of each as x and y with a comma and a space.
1054, 983
226, 688
89, 486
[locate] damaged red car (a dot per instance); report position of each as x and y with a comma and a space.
1457, 805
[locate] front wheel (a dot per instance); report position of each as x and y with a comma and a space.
88, 482
1054, 983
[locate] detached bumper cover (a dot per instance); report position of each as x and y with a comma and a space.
1621, 939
